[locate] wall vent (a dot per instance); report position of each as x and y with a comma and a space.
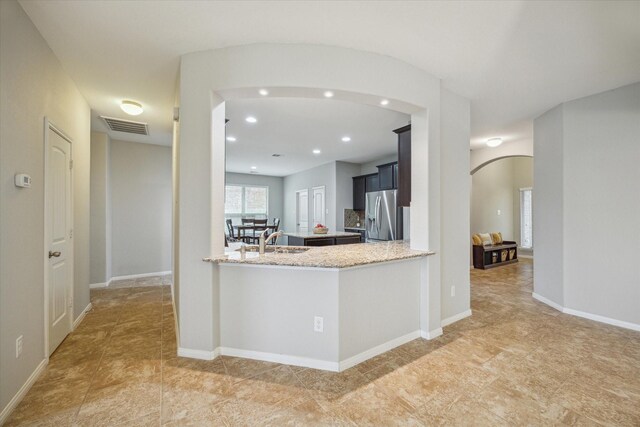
127, 126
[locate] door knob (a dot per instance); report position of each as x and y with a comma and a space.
54, 254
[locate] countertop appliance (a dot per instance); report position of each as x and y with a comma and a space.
382, 221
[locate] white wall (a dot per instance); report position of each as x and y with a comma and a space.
141, 205
455, 125
276, 189
588, 166
344, 190
323, 175
100, 208
33, 85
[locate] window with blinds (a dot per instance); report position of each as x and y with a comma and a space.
242, 201
526, 218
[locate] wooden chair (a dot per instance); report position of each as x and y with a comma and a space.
259, 226
276, 227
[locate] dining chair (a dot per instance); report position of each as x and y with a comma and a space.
231, 235
259, 225
275, 228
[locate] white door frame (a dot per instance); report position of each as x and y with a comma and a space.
48, 125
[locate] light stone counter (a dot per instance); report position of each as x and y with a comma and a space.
338, 256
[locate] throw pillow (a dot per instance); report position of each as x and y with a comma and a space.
477, 241
486, 239
496, 238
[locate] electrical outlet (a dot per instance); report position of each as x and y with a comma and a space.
453, 291
318, 324
18, 346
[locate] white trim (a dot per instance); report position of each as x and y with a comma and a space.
137, 276
281, 358
602, 319
99, 285
80, 318
379, 349
525, 256
585, 315
547, 301
17, 398
455, 318
198, 354
431, 334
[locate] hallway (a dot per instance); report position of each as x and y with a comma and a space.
515, 361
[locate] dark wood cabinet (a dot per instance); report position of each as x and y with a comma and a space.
485, 257
359, 190
372, 182
322, 241
386, 179
357, 230
348, 240
404, 165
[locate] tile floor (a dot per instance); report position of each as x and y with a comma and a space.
514, 362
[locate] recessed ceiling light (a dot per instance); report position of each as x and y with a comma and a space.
328, 94
494, 142
231, 138
384, 102
254, 168
346, 138
131, 107
251, 119
316, 151
263, 92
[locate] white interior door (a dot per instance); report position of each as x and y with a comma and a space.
58, 237
318, 206
302, 211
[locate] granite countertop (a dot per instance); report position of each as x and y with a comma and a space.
338, 256
310, 235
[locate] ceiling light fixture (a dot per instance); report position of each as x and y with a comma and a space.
384, 102
346, 138
328, 94
254, 168
494, 142
251, 119
231, 138
316, 151
131, 107
263, 92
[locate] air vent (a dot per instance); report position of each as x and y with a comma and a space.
126, 126
276, 155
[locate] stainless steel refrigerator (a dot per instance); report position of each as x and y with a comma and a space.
382, 221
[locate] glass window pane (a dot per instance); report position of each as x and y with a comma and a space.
256, 200
233, 199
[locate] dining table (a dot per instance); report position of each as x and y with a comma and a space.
241, 230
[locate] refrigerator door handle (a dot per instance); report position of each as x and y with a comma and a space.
378, 205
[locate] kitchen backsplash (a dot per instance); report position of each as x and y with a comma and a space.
352, 218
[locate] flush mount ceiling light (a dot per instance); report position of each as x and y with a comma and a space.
328, 94
346, 138
254, 168
251, 119
494, 142
316, 151
263, 92
231, 138
131, 107
384, 102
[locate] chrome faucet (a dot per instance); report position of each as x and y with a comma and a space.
263, 241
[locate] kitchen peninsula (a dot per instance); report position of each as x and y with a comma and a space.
328, 307
333, 238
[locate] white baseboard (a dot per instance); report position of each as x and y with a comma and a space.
81, 317
6, 411
547, 301
455, 318
138, 276
198, 354
525, 256
128, 277
379, 349
99, 285
431, 334
585, 315
281, 358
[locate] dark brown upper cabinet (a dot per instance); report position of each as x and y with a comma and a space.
359, 191
404, 165
386, 176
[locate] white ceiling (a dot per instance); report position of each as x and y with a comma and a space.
294, 127
514, 60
